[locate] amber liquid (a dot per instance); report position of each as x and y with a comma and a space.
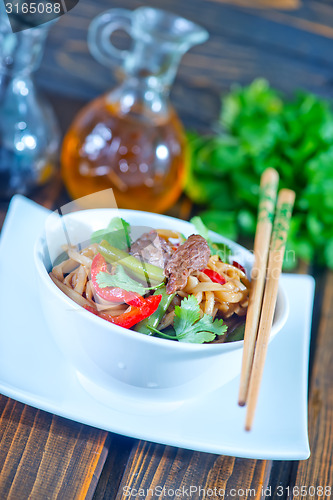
143, 161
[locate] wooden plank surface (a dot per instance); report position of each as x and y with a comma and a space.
163, 471
114, 467
318, 470
44, 456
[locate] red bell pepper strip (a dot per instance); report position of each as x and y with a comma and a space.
112, 294
239, 266
134, 315
214, 276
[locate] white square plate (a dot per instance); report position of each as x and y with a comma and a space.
34, 371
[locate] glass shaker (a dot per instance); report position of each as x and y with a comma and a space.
131, 139
29, 134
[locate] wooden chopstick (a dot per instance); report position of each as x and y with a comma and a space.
284, 208
268, 191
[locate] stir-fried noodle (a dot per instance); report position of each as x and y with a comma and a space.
72, 276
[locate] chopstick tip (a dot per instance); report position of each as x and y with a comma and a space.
287, 196
270, 175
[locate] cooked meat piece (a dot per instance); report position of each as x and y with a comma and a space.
192, 255
167, 250
152, 249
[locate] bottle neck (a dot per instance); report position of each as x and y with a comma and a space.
155, 64
21, 53
149, 71
143, 97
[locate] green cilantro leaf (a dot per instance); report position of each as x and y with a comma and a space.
117, 234
220, 249
186, 314
120, 280
189, 328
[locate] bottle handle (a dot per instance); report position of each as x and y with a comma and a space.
99, 36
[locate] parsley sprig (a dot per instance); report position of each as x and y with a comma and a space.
189, 327
121, 280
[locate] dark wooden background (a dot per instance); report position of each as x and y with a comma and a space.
291, 45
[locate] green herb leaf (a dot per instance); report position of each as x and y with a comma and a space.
186, 314
220, 249
188, 326
117, 234
120, 280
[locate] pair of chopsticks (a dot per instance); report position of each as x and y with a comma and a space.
269, 249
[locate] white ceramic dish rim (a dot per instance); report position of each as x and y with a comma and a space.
177, 225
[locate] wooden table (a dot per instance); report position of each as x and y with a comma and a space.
45, 456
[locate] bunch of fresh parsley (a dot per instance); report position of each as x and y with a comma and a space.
260, 128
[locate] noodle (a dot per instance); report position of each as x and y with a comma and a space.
168, 233
64, 268
79, 257
71, 275
167, 320
89, 291
228, 299
79, 299
209, 303
81, 280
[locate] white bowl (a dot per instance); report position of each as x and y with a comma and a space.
108, 357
